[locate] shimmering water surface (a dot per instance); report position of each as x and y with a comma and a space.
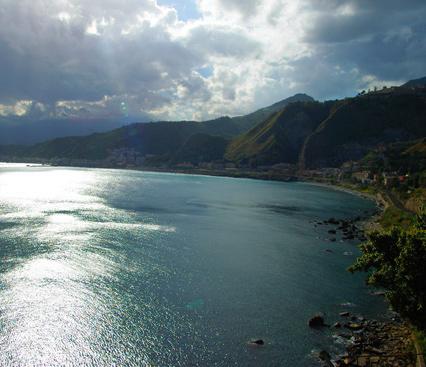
125, 268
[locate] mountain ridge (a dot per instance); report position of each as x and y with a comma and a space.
297, 131
28, 131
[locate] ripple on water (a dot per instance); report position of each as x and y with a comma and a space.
103, 268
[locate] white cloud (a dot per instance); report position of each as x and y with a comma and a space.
67, 55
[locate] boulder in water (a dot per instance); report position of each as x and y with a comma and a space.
316, 321
257, 342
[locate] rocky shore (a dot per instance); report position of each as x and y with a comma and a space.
367, 342
372, 343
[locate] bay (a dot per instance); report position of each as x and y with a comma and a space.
127, 268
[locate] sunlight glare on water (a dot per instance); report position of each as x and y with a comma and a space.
103, 268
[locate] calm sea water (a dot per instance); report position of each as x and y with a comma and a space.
122, 268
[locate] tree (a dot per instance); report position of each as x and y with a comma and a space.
396, 260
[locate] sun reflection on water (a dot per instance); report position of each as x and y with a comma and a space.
51, 311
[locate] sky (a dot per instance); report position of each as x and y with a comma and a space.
199, 59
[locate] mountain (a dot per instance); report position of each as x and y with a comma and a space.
357, 125
201, 148
311, 134
248, 121
421, 82
26, 130
280, 137
15, 130
318, 135
161, 138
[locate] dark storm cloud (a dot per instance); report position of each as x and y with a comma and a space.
87, 67
385, 39
46, 59
345, 21
78, 50
95, 54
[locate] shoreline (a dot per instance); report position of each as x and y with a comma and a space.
369, 327
234, 173
367, 224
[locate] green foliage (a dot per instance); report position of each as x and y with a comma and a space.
421, 339
396, 261
420, 221
393, 216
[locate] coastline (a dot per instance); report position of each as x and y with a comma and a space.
368, 224
369, 326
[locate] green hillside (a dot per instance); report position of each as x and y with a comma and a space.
357, 125
166, 140
201, 148
280, 137
308, 133
162, 138
248, 121
403, 157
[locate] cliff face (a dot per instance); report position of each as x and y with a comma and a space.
357, 125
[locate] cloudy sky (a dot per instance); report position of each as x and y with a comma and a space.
199, 59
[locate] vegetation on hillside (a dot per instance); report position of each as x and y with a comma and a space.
201, 148
396, 261
279, 138
309, 134
360, 124
251, 120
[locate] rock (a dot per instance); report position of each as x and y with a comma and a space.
346, 360
257, 342
316, 321
332, 231
344, 314
378, 293
324, 356
354, 326
337, 325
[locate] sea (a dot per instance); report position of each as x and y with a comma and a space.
104, 267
